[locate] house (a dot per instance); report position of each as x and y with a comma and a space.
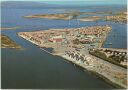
56, 39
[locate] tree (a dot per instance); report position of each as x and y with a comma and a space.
76, 41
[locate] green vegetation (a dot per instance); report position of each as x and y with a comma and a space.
76, 41
6, 42
112, 59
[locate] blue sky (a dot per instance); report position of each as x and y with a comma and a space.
69, 0
97, 1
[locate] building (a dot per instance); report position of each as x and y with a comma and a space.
56, 39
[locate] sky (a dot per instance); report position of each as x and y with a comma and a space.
68, 0
97, 1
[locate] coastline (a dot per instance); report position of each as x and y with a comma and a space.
7, 42
100, 76
92, 68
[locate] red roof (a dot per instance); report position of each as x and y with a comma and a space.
57, 39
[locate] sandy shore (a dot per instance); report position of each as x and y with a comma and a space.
94, 67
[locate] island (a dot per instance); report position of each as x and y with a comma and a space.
77, 45
9, 28
6, 42
120, 17
64, 16
91, 18
67, 16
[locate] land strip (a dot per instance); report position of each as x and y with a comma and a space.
9, 28
65, 16
91, 18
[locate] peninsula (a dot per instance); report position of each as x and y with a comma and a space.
6, 42
77, 46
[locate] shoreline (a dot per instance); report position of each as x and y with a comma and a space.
93, 64
99, 76
7, 42
9, 28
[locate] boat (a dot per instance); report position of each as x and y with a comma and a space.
109, 43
